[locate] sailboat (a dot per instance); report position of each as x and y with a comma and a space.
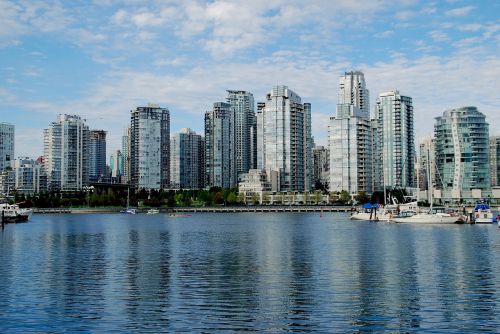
430, 217
128, 210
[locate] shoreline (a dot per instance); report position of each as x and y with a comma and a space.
302, 208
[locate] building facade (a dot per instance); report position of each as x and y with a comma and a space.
116, 166
97, 155
30, 176
150, 147
243, 105
350, 137
495, 161
6, 145
462, 152
284, 142
66, 153
321, 163
187, 163
426, 168
126, 156
220, 164
396, 140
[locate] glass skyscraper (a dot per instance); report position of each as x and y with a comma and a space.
396, 140
220, 164
462, 151
284, 142
243, 105
187, 160
495, 161
150, 147
6, 145
350, 137
97, 155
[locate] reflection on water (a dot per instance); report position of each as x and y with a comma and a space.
246, 272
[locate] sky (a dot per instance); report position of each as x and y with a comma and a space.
101, 59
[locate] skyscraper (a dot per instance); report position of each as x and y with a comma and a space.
150, 147
116, 166
462, 152
66, 153
242, 103
30, 176
97, 155
495, 161
321, 163
220, 165
284, 143
6, 145
396, 140
126, 156
350, 137
187, 163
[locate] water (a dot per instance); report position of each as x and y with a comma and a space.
246, 272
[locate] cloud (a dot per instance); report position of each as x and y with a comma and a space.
469, 27
438, 36
461, 11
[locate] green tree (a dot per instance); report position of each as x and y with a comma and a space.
345, 197
362, 197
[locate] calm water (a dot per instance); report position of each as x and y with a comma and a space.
246, 272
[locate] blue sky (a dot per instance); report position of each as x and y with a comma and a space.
103, 58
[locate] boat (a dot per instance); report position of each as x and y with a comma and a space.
175, 215
430, 217
153, 212
383, 213
483, 214
433, 216
13, 214
128, 210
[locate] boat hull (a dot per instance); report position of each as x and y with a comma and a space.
428, 219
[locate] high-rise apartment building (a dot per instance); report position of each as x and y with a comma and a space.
396, 140
116, 166
126, 156
321, 163
97, 155
187, 164
220, 164
350, 137
66, 153
150, 147
243, 105
284, 142
30, 177
462, 152
6, 145
495, 161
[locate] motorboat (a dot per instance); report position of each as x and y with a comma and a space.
153, 212
13, 214
177, 215
483, 214
380, 213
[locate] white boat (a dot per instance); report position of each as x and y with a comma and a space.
427, 218
483, 214
13, 214
129, 211
386, 213
153, 212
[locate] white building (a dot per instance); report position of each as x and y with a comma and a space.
150, 147
187, 160
350, 137
30, 177
284, 142
396, 140
6, 145
66, 153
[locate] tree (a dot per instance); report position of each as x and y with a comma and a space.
231, 198
345, 197
255, 199
317, 197
362, 197
266, 198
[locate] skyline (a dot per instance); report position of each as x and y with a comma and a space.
103, 60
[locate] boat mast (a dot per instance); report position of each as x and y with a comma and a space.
429, 180
128, 197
